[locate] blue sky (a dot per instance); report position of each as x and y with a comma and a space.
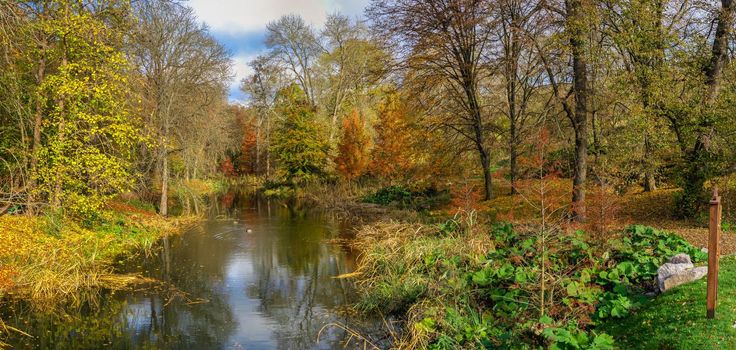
240, 25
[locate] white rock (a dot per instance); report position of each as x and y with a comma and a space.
686, 276
681, 258
668, 270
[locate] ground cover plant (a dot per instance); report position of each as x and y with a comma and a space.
464, 285
404, 197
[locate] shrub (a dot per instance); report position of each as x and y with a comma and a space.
402, 197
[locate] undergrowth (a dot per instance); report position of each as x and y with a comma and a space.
461, 285
404, 197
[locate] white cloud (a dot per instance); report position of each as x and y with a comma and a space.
237, 16
241, 69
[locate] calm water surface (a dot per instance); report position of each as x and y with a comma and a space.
256, 275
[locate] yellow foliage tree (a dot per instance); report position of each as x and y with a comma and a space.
86, 156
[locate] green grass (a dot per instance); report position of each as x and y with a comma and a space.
676, 319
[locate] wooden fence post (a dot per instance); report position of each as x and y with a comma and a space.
714, 252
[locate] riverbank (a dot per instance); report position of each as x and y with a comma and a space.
250, 261
47, 258
470, 282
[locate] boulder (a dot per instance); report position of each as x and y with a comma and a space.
668, 270
686, 276
681, 258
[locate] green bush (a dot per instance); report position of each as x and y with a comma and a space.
402, 197
390, 195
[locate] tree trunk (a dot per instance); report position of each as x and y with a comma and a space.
485, 158
469, 84
719, 51
575, 19
695, 174
513, 159
650, 183
56, 198
37, 120
164, 203
513, 53
257, 168
513, 142
268, 145
487, 179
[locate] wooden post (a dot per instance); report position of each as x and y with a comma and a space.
714, 252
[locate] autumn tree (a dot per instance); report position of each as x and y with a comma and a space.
391, 156
262, 87
521, 72
295, 46
701, 130
15, 109
577, 27
576, 17
91, 134
299, 144
64, 82
352, 159
249, 147
444, 44
349, 68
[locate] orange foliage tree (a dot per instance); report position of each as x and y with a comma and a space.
391, 157
249, 149
353, 159
227, 167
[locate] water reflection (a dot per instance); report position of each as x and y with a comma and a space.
258, 275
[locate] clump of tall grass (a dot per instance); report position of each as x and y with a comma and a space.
416, 269
47, 265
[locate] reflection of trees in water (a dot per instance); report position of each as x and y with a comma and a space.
177, 318
87, 325
294, 267
290, 286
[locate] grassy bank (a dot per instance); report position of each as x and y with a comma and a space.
48, 258
464, 285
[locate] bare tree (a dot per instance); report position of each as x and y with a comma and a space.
262, 87
520, 69
445, 42
294, 44
576, 19
184, 70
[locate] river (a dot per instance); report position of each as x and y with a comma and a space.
256, 275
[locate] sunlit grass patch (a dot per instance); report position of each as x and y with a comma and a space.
45, 265
676, 319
